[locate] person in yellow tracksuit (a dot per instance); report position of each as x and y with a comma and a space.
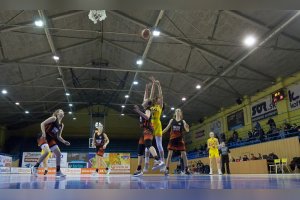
213, 150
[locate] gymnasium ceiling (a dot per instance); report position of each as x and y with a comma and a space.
98, 61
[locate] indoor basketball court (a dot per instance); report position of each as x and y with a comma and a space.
94, 101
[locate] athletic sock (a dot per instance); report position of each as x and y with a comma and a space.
167, 168
139, 168
106, 168
36, 165
97, 170
58, 168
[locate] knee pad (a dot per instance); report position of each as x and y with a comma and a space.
148, 144
141, 149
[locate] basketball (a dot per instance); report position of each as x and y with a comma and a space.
145, 34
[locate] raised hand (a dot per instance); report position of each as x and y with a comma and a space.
152, 78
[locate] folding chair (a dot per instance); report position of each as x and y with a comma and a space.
284, 163
276, 165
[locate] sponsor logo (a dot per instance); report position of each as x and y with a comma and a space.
264, 109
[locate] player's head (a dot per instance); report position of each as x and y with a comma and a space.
59, 113
222, 144
99, 126
178, 113
147, 103
211, 134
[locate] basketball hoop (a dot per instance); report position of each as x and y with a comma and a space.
97, 15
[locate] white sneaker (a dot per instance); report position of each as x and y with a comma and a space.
157, 165
210, 173
219, 172
182, 173
163, 169
108, 171
60, 175
34, 171
138, 173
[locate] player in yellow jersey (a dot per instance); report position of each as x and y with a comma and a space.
156, 111
213, 147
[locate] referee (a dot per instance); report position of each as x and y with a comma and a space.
225, 158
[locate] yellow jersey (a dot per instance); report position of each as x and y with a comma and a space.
156, 111
212, 143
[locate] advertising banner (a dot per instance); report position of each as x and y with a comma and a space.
5, 161
118, 162
263, 109
294, 97
30, 158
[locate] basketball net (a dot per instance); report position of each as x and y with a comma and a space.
97, 15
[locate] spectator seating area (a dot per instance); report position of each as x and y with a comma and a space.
276, 135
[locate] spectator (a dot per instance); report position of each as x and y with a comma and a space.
295, 163
239, 159
235, 136
255, 133
245, 158
261, 135
270, 159
259, 156
272, 156
295, 128
250, 134
258, 126
253, 157
272, 125
225, 158
287, 126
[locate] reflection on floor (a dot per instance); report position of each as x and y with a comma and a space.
286, 181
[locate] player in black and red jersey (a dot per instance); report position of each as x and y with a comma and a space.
100, 140
176, 142
147, 137
51, 133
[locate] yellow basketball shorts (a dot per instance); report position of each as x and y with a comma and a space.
157, 129
214, 153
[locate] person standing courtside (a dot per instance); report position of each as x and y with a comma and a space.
225, 158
